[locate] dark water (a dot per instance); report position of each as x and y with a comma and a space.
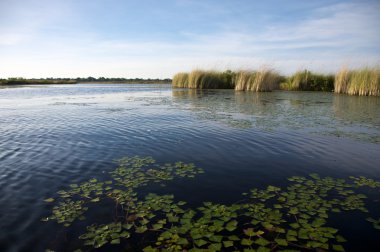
52, 136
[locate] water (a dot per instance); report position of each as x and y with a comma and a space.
55, 135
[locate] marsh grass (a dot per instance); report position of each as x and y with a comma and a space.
364, 81
341, 81
263, 80
308, 81
181, 80
259, 81
266, 80
201, 79
243, 79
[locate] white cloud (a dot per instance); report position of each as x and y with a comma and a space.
332, 36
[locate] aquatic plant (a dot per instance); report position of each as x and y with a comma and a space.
263, 80
308, 81
243, 79
180, 80
201, 79
259, 81
341, 81
376, 223
271, 219
365, 81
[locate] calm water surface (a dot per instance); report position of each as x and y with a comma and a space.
52, 136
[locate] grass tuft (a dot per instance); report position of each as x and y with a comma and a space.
259, 81
181, 80
364, 81
201, 79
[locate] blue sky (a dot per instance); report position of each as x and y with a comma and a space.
155, 39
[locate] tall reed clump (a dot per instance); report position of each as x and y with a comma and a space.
308, 81
342, 79
201, 79
364, 81
243, 79
180, 80
259, 81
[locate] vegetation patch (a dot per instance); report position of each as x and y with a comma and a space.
364, 81
308, 81
293, 218
259, 81
201, 79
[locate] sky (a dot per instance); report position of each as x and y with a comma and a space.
156, 39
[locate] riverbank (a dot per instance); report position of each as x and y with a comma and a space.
21, 81
89, 80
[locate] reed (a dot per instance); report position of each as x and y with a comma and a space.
201, 79
259, 81
263, 80
341, 81
180, 80
308, 81
365, 81
243, 79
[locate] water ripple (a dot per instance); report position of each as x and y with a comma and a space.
241, 140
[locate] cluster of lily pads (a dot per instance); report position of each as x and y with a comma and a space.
294, 218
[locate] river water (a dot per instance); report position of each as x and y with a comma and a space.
55, 135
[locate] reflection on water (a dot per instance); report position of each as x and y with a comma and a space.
321, 113
357, 109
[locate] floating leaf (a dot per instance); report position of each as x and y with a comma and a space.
246, 242
249, 232
200, 242
228, 244
261, 241
338, 248
281, 242
231, 226
340, 238
141, 229
97, 199
215, 246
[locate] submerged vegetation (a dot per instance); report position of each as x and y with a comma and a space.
364, 81
294, 218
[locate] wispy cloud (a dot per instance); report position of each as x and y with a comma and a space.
326, 38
